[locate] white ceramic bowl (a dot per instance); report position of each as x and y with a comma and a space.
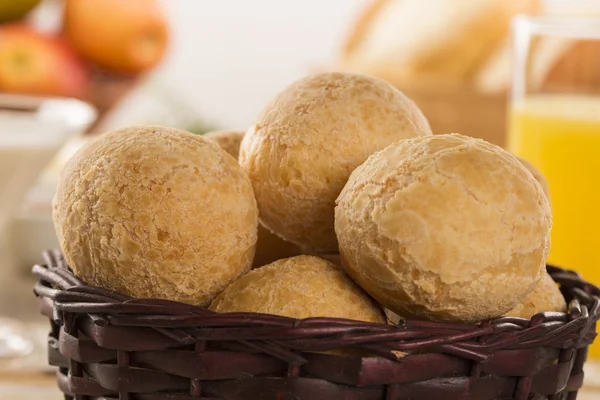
32, 130
31, 231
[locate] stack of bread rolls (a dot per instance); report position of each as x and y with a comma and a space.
337, 166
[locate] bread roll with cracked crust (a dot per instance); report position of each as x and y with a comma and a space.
228, 140
444, 227
307, 141
156, 212
545, 296
269, 246
537, 175
299, 287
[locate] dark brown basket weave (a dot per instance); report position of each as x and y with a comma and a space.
109, 346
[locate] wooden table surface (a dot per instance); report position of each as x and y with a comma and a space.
17, 300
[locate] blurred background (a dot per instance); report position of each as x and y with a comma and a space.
201, 66
205, 65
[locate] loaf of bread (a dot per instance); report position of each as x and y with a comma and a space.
399, 40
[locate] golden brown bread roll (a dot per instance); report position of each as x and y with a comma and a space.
545, 296
228, 140
444, 227
299, 287
335, 259
156, 212
307, 141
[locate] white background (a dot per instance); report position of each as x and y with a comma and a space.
227, 58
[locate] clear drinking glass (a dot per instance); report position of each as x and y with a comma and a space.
32, 130
555, 124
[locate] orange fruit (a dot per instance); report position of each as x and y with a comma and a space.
122, 36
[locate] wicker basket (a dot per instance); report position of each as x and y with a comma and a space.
109, 346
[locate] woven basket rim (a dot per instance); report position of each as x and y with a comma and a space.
473, 341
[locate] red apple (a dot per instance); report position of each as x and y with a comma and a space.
33, 63
123, 36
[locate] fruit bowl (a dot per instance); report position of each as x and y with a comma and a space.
34, 129
107, 345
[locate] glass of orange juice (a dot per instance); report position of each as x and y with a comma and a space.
555, 124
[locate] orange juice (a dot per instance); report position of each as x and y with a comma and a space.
560, 135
